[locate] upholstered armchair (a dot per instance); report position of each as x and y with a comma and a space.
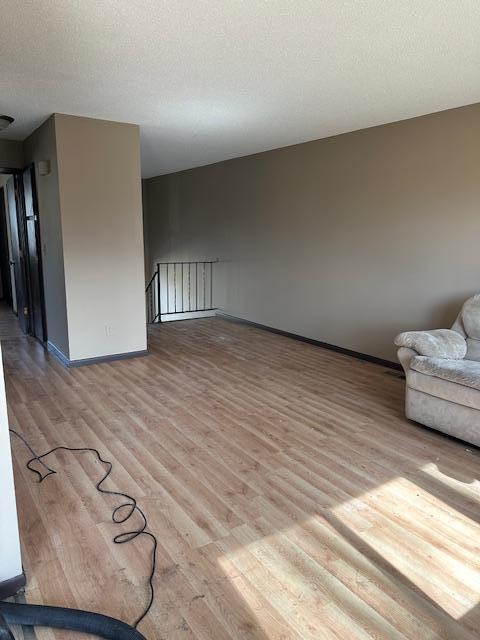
442, 370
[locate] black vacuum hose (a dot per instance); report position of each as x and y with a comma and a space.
5, 633
34, 615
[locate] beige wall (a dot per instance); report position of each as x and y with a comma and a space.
11, 154
40, 146
347, 240
101, 210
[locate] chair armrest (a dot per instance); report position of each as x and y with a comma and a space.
404, 355
437, 343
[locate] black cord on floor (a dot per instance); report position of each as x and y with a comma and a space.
127, 508
35, 457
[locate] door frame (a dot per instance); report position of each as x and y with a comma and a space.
17, 175
21, 286
38, 249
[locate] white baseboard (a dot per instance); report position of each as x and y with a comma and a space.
170, 317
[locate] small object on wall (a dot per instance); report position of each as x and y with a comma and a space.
44, 167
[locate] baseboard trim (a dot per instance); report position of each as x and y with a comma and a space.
11, 586
318, 343
57, 353
86, 361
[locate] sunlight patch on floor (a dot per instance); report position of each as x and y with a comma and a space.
396, 536
290, 594
399, 523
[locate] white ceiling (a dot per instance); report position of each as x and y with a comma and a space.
208, 80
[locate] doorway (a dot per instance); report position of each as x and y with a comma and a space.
21, 264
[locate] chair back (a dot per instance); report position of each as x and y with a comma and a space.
468, 324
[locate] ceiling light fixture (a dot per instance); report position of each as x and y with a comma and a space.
5, 121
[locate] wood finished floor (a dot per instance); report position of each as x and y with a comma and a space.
290, 497
9, 326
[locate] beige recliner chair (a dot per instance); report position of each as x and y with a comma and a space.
442, 369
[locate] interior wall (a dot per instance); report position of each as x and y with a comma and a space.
10, 558
347, 240
40, 146
11, 154
101, 210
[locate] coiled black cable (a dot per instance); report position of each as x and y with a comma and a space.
120, 514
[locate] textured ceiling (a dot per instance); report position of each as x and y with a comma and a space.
216, 79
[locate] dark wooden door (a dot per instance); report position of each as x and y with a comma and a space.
33, 257
4, 251
17, 257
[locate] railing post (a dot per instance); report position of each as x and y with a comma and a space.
168, 287
204, 283
158, 294
211, 285
175, 286
182, 290
189, 286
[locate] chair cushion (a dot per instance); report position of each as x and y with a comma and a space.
464, 372
438, 388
